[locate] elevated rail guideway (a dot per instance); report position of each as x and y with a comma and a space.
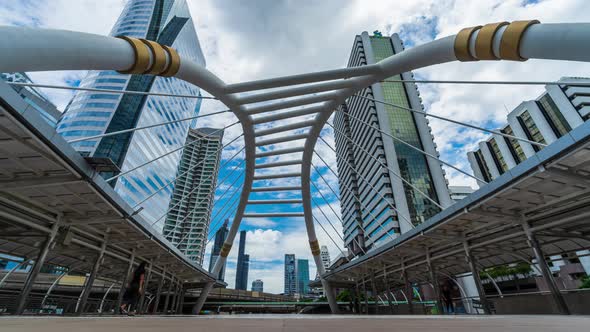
268, 110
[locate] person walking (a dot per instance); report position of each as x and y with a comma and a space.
134, 291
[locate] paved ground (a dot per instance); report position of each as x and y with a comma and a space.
299, 323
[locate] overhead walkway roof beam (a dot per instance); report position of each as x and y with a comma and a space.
279, 164
291, 114
303, 78
278, 152
276, 201
295, 91
284, 104
280, 129
276, 176
273, 215
281, 139
271, 189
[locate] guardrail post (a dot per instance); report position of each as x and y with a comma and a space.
39, 261
545, 271
435, 285
90, 280
124, 282
471, 260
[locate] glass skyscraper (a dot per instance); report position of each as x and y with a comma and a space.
220, 237
373, 197
302, 276
243, 266
290, 276
187, 222
94, 113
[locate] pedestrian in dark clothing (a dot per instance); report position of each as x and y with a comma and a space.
447, 299
133, 291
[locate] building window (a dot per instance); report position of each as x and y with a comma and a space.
531, 130
553, 115
497, 156
483, 167
514, 146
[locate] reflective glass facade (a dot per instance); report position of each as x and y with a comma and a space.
93, 113
367, 199
413, 164
302, 276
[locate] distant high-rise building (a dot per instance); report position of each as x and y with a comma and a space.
257, 285
243, 264
187, 222
325, 257
552, 115
33, 97
220, 237
302, 271
290, 276
92, 113
368, 215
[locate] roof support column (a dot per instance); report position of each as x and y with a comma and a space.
90, 280
366, 295
203, 297
357, 299
387, 291
142, 307
174, 297
167, 300
124, 283
374, 293
545, 271
434, 282
159, 292
181, 293
39, 261
471, 260
409, 289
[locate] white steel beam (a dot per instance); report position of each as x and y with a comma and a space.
278, 152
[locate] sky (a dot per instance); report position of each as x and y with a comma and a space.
248, 40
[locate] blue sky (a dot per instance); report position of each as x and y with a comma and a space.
265, 38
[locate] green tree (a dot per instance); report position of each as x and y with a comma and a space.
585, 282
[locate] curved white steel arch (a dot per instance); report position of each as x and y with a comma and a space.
23, 49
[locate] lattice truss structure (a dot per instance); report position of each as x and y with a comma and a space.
271, 111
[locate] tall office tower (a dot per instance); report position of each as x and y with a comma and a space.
33, 97
243, 264
187, 222
94, 113
290, 276
302, 272
257, 286
552, 115
220, 237
376, 196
